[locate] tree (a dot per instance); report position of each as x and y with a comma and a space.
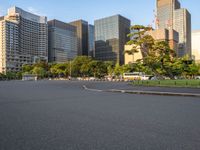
39, 71
60, 70
109, 65
80, 66
157, 55
19, 75
164, 58
27, 68
118, 70
193, 70
97, 68
140, 40
11, 75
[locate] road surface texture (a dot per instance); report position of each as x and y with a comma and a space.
61, 115
129, 86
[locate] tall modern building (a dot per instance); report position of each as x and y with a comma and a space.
196, 45
10, 58
170, 15
23, 39
82, 34
91, 42
110, 38
62, 41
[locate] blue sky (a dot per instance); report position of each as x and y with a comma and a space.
138, 11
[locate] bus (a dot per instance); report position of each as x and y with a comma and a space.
135, 76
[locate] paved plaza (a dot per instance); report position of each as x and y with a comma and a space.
62, 115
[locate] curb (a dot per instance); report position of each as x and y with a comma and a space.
144, 92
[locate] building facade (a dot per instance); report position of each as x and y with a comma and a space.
24, 39
110, 38
170, 15
9, 47
82, 34
168, 35
132, 58
196, 46
62, 41
91, 41
182, 24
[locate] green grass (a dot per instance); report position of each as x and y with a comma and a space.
170, 83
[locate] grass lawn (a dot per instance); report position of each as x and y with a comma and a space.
169, 83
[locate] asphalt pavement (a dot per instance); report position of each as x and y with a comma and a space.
129, 86
62, 115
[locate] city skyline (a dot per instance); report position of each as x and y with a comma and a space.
87, 10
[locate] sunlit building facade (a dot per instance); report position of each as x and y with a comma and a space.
23, 38
168, 35
196, 45
170, 15
132, 58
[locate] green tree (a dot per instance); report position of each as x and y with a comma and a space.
27, 68
140, 40
144, 42
59, 70
164, 58
194, 70
109, 65
118, 70
158, 58
80, 66
98, 68
19, 75
39, 71
11, 75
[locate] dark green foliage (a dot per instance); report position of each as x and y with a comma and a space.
158, 58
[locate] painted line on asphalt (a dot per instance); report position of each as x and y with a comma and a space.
95, 90
144, 92
155, 93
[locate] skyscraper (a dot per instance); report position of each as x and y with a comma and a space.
91, 42
9, 47
23, 38
110, 38
62, 41
182, 24
165, 12
170, 15
82, 34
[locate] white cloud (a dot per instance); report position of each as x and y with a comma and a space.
35, 11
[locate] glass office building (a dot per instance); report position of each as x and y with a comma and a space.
91, 41
182, 24
82, 34
170, 15
62, 41
110, 38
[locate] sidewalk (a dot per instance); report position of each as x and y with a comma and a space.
128, 88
